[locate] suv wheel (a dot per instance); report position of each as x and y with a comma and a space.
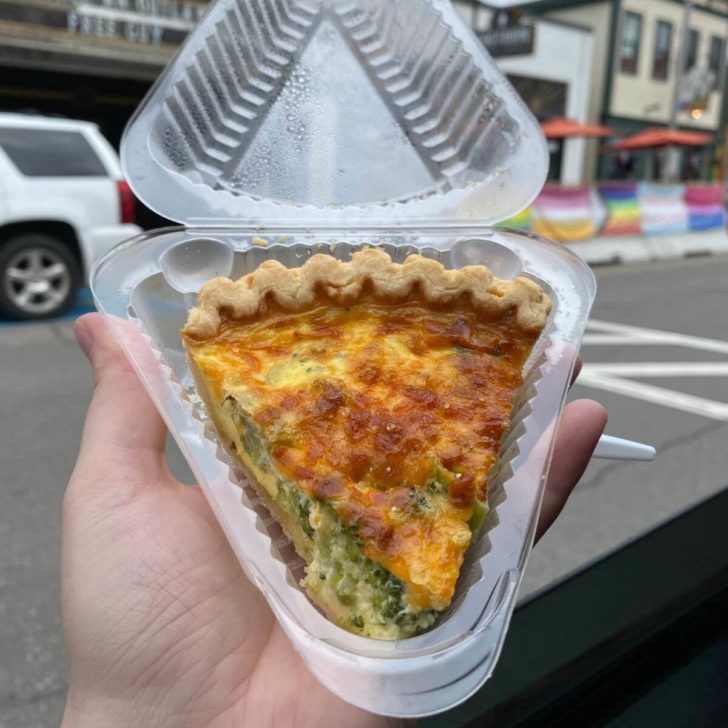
39, 277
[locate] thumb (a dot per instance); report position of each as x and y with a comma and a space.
123, 428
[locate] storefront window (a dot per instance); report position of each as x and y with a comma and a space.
691, 55
546, 99
630, 46
661, 58
715, 59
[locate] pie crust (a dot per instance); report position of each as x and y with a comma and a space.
370, 272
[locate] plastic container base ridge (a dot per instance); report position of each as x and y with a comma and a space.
284, 128
434, 671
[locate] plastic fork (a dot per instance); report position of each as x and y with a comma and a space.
616, 448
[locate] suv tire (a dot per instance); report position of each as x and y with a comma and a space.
39, 277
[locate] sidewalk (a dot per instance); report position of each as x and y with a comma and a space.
639, 248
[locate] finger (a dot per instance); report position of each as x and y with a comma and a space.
580, 428
122, 425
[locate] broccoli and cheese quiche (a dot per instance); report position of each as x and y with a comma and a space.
367, 400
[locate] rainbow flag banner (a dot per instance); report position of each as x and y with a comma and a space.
663, 208
624, 216
705, 208
566, 214
571, 214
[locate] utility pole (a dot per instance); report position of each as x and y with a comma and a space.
672, 166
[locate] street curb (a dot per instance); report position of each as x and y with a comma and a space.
641, 249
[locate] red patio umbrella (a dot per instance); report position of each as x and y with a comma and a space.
559, 128
660, 137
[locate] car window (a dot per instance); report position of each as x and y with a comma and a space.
46, 153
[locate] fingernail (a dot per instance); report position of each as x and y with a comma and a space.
83, 336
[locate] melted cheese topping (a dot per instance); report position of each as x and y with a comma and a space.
392, 414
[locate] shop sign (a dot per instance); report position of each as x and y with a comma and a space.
516, 41
137, 21
149, 22
508, 35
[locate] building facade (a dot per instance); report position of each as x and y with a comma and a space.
634, 77
96, 59
602, 61
88, 59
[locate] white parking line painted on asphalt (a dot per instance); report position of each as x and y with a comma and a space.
634, 335
663, 369
656, 395
615, 377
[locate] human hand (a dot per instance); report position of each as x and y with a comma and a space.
162, 628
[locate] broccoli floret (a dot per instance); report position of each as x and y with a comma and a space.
345, 567
419, 500
387, 591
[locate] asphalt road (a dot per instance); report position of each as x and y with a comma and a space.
45, 386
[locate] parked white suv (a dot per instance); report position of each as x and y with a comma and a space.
63, 204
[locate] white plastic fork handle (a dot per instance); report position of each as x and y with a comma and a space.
615, 448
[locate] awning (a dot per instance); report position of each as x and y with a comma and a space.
660, 137
565, 128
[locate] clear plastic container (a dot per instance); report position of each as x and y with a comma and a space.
289, 127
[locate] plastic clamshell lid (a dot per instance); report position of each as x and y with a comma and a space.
322, 112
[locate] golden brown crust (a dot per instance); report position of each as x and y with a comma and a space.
296, 289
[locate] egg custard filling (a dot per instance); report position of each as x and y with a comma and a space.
367, 401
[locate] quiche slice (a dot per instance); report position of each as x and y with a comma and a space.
367, 400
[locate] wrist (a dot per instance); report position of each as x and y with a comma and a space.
82, 711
